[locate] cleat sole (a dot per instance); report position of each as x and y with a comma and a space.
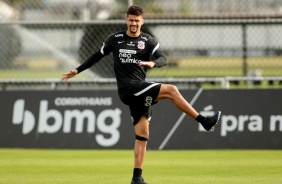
218, 118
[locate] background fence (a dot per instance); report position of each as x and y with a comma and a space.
217, 38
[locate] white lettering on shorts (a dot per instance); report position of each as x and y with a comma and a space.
148, 101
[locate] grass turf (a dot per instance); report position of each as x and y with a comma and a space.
28, 166
179, 67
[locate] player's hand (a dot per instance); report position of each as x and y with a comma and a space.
69, 74
149, 64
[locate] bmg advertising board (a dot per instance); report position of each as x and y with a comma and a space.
251, 119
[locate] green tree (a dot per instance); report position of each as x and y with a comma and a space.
17, 3
150, 6
185, 7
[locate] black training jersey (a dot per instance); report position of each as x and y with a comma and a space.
128, 52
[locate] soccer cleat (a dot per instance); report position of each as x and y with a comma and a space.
138, 180
209, 122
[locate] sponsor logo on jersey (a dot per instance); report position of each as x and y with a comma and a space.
131, 44
119, 42
126, 51
126, 56
119, 35
129, 60
144, 38
141, 45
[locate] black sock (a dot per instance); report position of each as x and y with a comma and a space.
137, 172
200, 118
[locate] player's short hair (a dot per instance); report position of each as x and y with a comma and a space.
135, 10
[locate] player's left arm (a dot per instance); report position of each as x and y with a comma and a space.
157, 54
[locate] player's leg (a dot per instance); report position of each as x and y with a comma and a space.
142, 136
168, 91
141, 130
141, 112
171, 92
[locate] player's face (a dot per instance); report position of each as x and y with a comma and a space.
134, 24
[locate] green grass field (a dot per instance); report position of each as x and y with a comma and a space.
218, 67
30, 166
178, 67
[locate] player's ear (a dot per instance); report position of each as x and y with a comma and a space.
142, 21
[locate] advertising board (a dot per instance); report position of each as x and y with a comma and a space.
251, 119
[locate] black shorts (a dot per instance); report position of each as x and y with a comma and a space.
141, 100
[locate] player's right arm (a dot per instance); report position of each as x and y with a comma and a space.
95, 58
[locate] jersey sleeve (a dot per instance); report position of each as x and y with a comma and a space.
95, 58
157, 53
107, 46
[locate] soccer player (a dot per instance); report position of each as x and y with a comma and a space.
132, 51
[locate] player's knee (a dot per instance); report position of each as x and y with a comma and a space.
141, 138
172, 89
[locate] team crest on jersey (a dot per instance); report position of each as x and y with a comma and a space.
141, 45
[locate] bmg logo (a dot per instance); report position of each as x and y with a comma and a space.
20, 115
63, 121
